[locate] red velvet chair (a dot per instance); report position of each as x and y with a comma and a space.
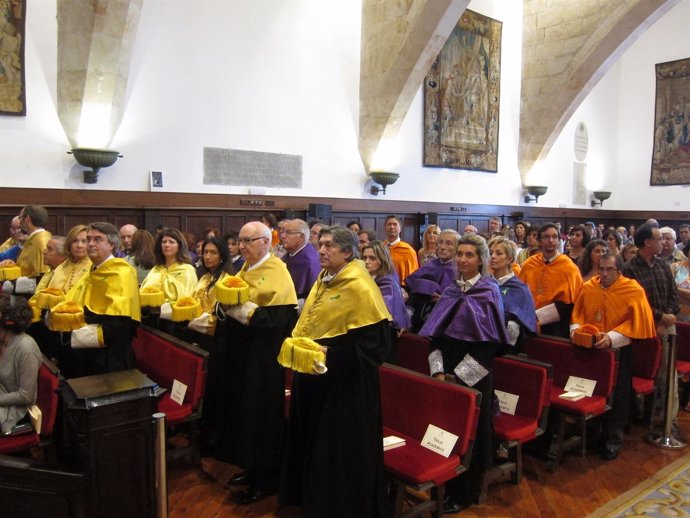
683, 349
531, 381
646, 358
410, 402
47, 401
164, 359
568, 360
413, 353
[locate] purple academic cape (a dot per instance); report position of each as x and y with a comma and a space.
390, 289
304, 268
434, 277
473, 316
519, 304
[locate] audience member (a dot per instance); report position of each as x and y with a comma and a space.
252, 408
270, 221
334, 461
532, 244
467, 328
470, 229
668, 252
495, 224
554, 282
403, 255
589, 261
315, 228
428, 250
654, 275
33, 218
126, 233
231, 238
521, 230
617, 306
109, 295
366, 236
302, 261
684, 236
426, 284
21, 360
577, 241
614, 241
17, 237
629, 251
354, 226
142, 256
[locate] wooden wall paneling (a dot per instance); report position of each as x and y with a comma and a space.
135, 218
368, 222
198, 221
234, 222
449, 222
172, 220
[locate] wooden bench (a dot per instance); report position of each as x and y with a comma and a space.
410, 402
568, 360
164, 359
413, 353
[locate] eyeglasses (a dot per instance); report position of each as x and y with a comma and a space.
291, 232
248, 240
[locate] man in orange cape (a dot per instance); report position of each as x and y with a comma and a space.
618, 308
554, 281
403, 255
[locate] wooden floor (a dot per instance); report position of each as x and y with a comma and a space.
580, 486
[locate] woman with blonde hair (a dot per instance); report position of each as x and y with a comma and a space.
428, 250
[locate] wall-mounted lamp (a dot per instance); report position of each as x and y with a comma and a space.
534, 192
95, 159
600, 196
384, 179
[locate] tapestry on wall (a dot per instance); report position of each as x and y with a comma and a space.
12, 89
671, 156
461, 97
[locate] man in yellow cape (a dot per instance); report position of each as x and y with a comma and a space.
618, 307
335, 432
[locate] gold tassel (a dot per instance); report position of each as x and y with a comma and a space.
299, 354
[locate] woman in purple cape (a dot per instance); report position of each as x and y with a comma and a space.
467, 328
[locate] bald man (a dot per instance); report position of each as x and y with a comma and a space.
126, 233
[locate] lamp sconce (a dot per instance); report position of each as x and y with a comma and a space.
534, 192
384, 179
600, 196
95, 159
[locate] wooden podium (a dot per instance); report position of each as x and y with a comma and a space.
110, 437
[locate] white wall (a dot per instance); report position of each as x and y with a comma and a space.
283, 76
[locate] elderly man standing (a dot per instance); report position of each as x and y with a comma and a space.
654, 275
427, 284
668, 251
126, 233
302, 261
109, 294
250, 430
554, 282
403, 255
617, 306
334, 462
33, 218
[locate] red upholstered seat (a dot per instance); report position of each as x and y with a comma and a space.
174, 412
47, 401
514, 427
413, 353
409, 403
599, 365
643, 386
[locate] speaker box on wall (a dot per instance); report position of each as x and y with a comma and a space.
320, 211
433, 218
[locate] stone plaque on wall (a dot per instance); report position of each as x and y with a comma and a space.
240, 167
579, 186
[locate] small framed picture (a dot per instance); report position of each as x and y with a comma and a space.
156, 180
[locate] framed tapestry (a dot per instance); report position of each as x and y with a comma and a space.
12, 36
671, 155
461, 97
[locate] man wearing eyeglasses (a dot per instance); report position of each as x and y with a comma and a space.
554, 282
250, 428
32, 219
302, 261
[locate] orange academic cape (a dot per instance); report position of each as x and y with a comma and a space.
404, 259
560, 280
622, 307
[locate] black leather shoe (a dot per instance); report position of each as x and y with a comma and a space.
609, 454
253, 495
241, 479
450, 506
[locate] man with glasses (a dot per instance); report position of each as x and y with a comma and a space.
32, 219
302, 261
668, 251
17, 237
426, 285
554, 282
654, 275
252, 406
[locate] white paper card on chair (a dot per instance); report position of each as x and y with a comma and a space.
392, 441
580, 385
507, 402
178, 391
438, 440
572, 395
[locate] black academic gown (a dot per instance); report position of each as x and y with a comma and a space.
252, 400
334, 466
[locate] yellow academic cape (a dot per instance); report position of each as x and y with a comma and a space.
622, 307
560, 280
177, 281
349, 301
404, 259
112, 289
30, 259
8, 244
206, 296
64, 276
270, 283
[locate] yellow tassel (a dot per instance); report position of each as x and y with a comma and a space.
299, 354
